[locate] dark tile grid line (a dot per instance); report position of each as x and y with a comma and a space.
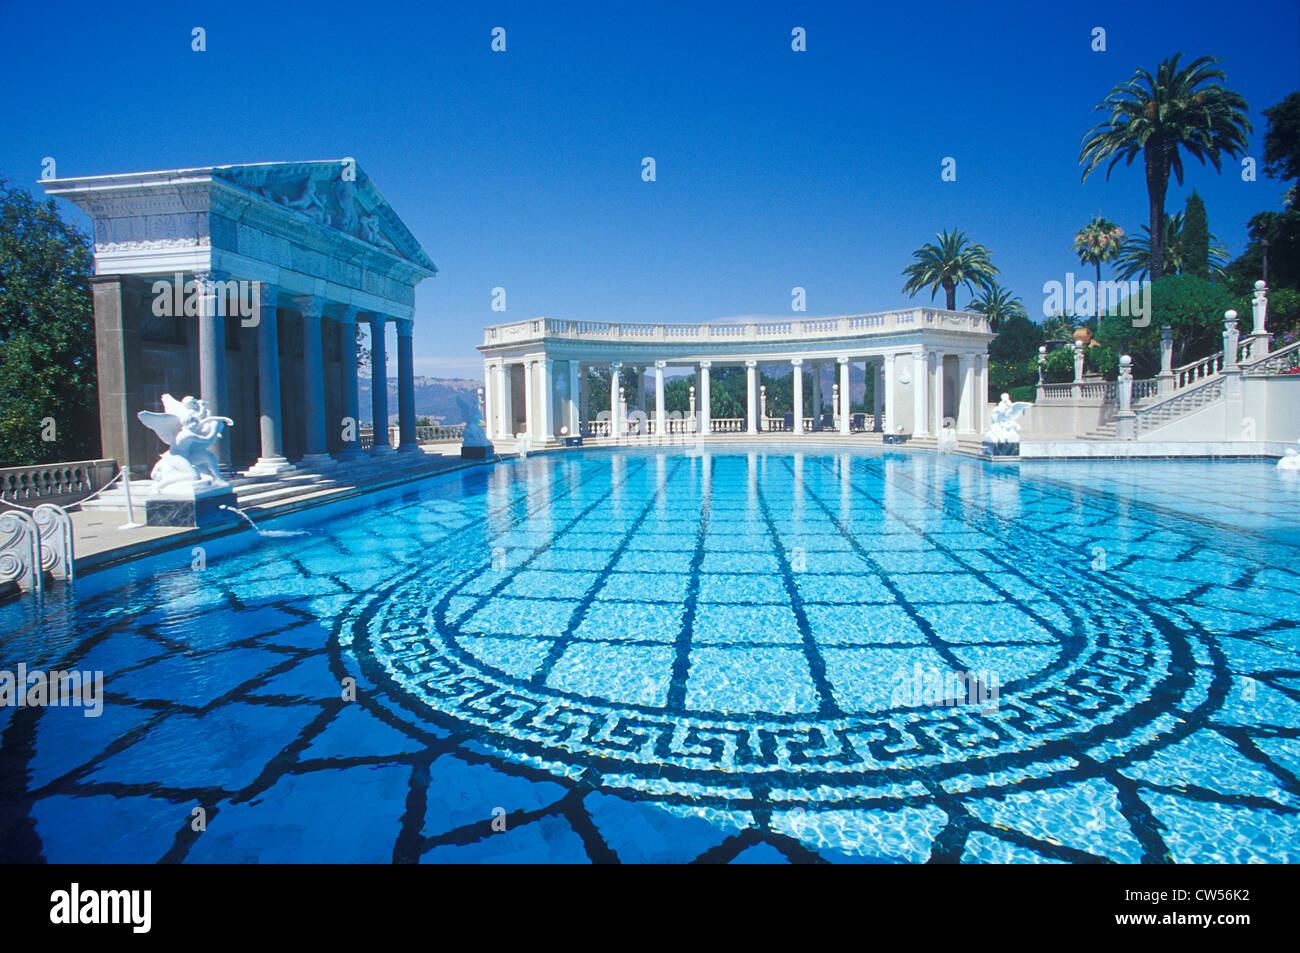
566, 638
23, 744
1143, 824
480, 600
960, 822
1114, 495
827, 706
411, 843
1066, 641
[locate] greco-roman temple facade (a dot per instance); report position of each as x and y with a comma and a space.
930, 366
243, 285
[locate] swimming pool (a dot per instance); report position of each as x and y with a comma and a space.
731, 656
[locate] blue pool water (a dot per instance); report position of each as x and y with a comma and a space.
741, 657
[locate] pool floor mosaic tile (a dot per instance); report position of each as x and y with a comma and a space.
681, 656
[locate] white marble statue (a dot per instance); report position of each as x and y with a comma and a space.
947, 441
188, 468
1291, 461
474, 435
1005, 426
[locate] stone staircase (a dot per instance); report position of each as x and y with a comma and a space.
1195, 385
258, 493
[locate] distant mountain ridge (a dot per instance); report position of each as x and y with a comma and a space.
435, 398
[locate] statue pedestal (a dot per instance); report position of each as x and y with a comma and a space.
1001, 449
475, 451
196, 511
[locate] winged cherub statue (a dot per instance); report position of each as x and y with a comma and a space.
1004, 429
189, 431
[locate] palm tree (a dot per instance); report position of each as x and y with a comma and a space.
1097, 242
999, 304
1157, 116
1134, 258
955, 261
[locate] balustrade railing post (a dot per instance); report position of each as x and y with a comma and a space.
1259, 311
1125, 418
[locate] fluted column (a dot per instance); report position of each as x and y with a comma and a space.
877, 396
846, 400
530, 403
706, 406
505, 402
407, 442
575, 398
817, 395
796, 389
890, 414
311, 307
489, 400
270, 429
350, 424
212, 357
938, 392
920, 388
751, 402
547, 395
661, 419
584, 400
615, 414
379, 384
966, 390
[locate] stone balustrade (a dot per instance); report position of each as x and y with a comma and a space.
885, 322
54, 482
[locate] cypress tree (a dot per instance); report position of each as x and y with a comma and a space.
1196, 238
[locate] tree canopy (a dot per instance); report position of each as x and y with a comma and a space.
48, 406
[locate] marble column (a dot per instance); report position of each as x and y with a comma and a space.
615, 410
379, 384
878, 396
505, 402
751, 393
547, 415
920, 389
350, 425
489, 401
272, 460
890, 413
938, 393
407, 442
817, 395
575, 396
846, 398
796, 390
966, 392
661, 418
311, 308
706, 405
212, 358
584, 400
530, 401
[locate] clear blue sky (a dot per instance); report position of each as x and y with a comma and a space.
523, 169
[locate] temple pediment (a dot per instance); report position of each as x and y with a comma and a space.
335, 194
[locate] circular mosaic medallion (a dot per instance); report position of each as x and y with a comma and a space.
793, 701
